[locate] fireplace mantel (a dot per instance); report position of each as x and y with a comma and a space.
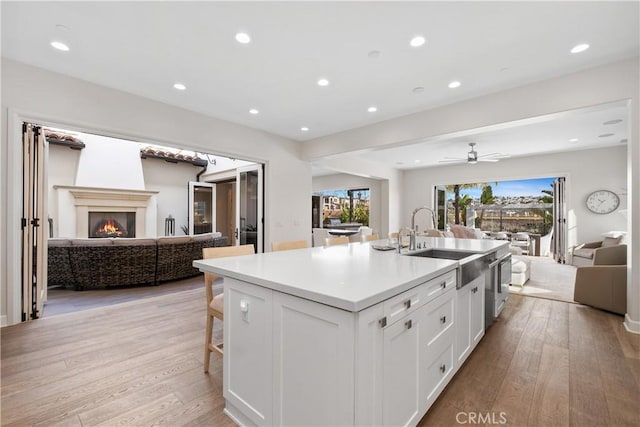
93, 199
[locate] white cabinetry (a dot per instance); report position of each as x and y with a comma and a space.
291, 361
313, 363
415, 345
470, 318
401, 371
248, 360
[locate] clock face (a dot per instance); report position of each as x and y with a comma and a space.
603, 202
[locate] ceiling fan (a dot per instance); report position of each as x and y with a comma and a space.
473, 158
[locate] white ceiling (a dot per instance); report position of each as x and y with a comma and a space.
145, 47
545, 134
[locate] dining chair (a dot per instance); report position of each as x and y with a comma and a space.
288, 245
330, 241
215, 304
370, 237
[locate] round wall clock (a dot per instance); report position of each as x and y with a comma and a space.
603, 201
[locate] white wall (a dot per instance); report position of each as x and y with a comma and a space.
62, 167
65, 102
586, 171
171, 180
109, 163
346, 182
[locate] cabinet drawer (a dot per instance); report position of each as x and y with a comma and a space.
407, 302
438, 371
439, 317
438, 286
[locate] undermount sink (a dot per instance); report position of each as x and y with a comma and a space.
441, 253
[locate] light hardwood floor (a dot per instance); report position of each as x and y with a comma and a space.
140, 363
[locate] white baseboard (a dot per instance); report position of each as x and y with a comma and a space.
3, 320
632, 326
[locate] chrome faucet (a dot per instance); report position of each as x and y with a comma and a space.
412, 239
413, 217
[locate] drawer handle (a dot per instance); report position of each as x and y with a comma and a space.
408, 324
443, 319
443, 368
443, 285
407, 304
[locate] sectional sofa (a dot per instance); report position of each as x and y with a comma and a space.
98, 263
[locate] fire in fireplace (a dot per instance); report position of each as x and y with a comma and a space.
112, 224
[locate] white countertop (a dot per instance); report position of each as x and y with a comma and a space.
350, 277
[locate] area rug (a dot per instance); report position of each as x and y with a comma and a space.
548, 280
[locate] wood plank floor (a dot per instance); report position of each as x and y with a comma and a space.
544, 363
63, 301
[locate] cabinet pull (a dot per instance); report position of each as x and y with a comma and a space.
407, 304
443, 319
383, 322
443, 368
443, 285
474, 290
408, 324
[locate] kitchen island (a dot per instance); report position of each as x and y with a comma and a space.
345, 335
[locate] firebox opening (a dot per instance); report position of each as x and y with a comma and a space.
112, 224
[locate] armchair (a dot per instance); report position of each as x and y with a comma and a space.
602, 286
607, 252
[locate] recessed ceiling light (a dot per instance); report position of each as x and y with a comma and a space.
323, 82
454, 84
243, 38
418, 89
304, 129
253, 111
60, 46
416, 161
179, 86
372, 109
579, 48
374, 54
612, 122
417, 41
573, 140
605, 135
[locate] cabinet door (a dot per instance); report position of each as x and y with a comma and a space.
401, 377
369, 366
477, 310
463, 328
313, 381
248, 343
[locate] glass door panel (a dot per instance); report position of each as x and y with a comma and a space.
202, 211
249, 227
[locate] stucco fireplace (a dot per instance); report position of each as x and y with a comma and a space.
80, 208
